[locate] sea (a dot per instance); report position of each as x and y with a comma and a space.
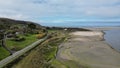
112, 37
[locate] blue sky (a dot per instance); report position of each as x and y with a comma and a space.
57, 11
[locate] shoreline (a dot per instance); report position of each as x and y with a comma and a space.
83, 48
111, 36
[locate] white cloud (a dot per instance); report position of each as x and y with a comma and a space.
59, 9
112, 11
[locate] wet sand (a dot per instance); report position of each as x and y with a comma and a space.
88, 50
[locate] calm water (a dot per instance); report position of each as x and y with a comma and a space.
79, 24
113, 38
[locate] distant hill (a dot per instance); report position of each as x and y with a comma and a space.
11, 22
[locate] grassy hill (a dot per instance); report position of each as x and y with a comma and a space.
10, 22
19, 34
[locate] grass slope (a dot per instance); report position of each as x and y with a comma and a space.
19, 45
3, 53
16, 45
43, 56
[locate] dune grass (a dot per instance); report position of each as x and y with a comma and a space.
58, 64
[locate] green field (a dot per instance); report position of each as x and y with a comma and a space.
21, 44
17, 45
3, 53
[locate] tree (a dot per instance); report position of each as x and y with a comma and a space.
31, 26
2, 27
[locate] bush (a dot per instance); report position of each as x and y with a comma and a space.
39, 36
20, 38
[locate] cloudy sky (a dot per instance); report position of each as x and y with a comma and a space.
56, 11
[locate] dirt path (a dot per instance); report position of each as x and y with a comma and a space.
88, 50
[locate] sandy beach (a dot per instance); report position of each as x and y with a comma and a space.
88, 50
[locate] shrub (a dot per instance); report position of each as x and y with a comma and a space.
39, 36
20, 38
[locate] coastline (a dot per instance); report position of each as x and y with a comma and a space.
88, 50
112, 37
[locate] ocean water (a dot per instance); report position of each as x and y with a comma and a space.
80, 24
113, 38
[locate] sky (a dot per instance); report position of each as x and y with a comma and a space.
61, 11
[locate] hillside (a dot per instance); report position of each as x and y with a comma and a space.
16, 35
5, 22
